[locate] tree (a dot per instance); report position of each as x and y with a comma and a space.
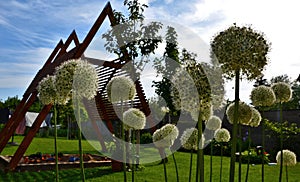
166, 66
132, 36
261, 81
12, 102
242, 52
281, 78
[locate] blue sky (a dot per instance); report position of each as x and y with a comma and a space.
29, 30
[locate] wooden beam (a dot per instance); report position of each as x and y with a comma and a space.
86, 42
16, 120
28, 138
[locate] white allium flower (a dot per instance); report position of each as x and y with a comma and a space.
262, 96
64, 80
189, 139
244, 113
222, 135
47, 91
120, 88
165, 137
134, 118
165, 109
205, 112
189, 93
283, 91
289, 158
256, 118
214, 123
85, 83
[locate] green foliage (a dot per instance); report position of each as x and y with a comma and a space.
241, 49
11, 102
146, 138
132, 35
288, 129
166, 66
254, 157
281, 78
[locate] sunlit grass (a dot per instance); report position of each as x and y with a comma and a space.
150, 172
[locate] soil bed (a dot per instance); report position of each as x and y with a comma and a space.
38, 162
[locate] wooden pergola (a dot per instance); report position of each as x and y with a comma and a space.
106, 70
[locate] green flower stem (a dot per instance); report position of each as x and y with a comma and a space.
211, 153
191, 166
263, 151
240, 151
123, 144
221, 163
165, 168
55, 143
281, 143
234, 131
133, 154
249, 146
286, 173
138, 141
177, 177
80, 143
200, 156
263, 146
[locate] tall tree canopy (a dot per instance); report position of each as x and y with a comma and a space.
133, 35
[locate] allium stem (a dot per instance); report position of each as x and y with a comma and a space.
191, 165
263, 150
55, 144
240, 151
200, 156
211, 154
221, 162
234, 131
165, 168
133, 154
177, 177
123, 144
286, 173
80, 142
281, 143
249, 146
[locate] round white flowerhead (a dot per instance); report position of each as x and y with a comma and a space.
289, 158
85, 83
222, 135
165, 109
283, 92
189, 139
64, 80
165, 136
47, 91
134, 118
262, 96
120, 88
256, 118
214, 123
205, 112
244, 113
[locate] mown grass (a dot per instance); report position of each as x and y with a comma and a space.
150, 172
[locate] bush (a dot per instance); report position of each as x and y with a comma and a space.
146, 138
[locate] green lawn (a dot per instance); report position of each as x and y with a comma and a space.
150, 172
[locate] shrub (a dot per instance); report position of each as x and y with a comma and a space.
146, 138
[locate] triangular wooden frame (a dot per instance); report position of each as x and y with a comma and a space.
58, 56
